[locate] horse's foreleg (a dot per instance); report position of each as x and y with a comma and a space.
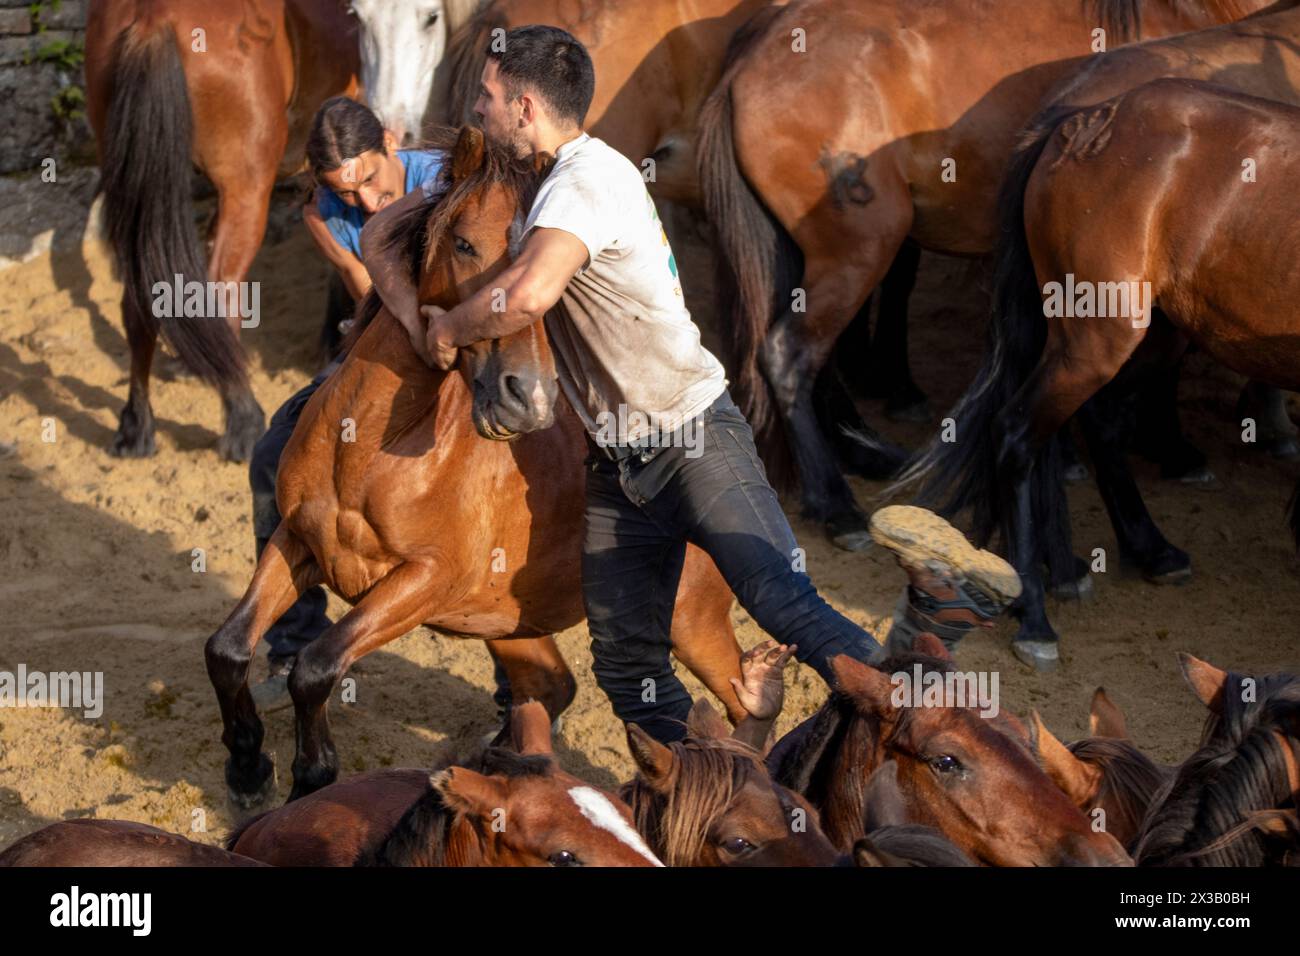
285, 569
702, 635
536, 671
396, 604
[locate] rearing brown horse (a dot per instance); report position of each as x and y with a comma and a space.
847, 127
230, 88
392, 496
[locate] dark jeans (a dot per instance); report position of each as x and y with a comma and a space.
641, 512
306, 619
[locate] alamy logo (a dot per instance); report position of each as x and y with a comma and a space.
208, 300
626, 427
923, 688
1100, 300
75, 690
74, 908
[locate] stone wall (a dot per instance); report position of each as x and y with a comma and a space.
42, 97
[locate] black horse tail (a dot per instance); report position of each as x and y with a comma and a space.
1293, 515
960, 467
148, 213
758, 266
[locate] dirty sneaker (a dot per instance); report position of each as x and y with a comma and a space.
273, 693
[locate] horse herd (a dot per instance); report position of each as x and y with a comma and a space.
826, 142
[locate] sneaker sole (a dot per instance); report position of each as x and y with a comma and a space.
918, 535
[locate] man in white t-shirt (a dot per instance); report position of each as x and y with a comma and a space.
672, 458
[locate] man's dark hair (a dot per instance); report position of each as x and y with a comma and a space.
550, 62
342, 130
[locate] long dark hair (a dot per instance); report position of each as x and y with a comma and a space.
342, 130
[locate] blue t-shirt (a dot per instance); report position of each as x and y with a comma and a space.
344, 222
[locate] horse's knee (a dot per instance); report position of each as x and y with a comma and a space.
313, 677
227, 656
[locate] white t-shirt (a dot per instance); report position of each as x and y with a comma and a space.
627, 351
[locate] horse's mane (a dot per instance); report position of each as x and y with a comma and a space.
709, 773
1129, 778
417, 232
465, 57
421, 836
913, 844
1239, 770
1124, 17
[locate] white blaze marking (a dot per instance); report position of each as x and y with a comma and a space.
595, 806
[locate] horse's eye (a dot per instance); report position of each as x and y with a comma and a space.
463, 247
737, 846
563, 858
433, 18
946, 763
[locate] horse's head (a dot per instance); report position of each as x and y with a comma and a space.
470, 236
709, 801
1248, 765
1103, 771
971, 777
402, 43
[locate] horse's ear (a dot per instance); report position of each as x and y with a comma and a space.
530, 728
653, 759
883, 800
1104, 718
705, 722
869, 688
1076, 777
929, 645
1206, 681
469, 793
467, 155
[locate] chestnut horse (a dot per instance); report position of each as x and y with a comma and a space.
1228, 804
846, 128
499, 808
972, 778
230, 88
114, 843
1227, 291
709, 801
402, 491
890, 840
1103, 774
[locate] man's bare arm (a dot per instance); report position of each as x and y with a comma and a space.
350, 268
527, 288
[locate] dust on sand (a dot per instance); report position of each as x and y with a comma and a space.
96, 565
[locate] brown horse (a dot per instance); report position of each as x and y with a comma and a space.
114, 843
844, 129
230, 88
655, 62
498, 808
1220, 807
1185, 247
393, 496
1104, 774
971, 778
890, 840
709, 801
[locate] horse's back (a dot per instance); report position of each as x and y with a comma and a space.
337, 824
114, 843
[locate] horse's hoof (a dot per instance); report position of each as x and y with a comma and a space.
1079, 589
1170, 567
1041, 655
247, 801
1200, 477
139, 445
849, 533
917, 412
1076, 473
238, 447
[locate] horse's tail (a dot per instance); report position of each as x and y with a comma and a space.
1293, 514
959, 468
464, 61
758, 264
148, 213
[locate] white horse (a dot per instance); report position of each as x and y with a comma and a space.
402, 45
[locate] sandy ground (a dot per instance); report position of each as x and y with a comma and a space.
95, 564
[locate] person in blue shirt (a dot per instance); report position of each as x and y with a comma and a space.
358, 171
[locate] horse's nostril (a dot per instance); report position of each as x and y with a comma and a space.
514, 390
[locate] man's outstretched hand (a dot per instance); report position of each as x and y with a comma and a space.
761, 688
